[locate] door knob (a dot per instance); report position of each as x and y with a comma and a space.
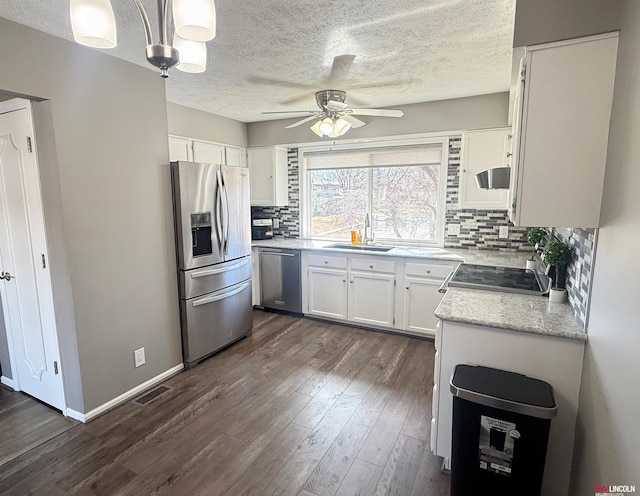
6, 276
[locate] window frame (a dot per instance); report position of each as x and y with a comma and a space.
441, 206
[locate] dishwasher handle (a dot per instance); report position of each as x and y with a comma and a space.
277, 253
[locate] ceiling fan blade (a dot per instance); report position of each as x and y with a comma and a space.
277, 82
384, 84
291, 112
355, 123
336, 106
340, 68
377, 112
297, 99
306, 119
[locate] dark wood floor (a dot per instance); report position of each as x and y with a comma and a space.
301, 407
26, 423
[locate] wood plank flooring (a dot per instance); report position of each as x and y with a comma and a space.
26, 423
301, 407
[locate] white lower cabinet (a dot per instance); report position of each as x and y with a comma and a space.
421, 296
363, 290
371, 298
327, 292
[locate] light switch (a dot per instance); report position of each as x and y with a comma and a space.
503, 232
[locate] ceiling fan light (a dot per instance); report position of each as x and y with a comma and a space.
93, 23
341, 127
193, 55
326, 126
195, 20
316, 128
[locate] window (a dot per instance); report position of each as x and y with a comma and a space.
400, 187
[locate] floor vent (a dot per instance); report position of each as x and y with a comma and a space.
151, 395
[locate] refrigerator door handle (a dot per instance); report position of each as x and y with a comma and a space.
226, 214
218, 297
218, 208
211, 272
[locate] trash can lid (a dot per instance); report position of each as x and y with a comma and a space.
504, 390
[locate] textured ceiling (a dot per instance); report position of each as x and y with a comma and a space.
272, 55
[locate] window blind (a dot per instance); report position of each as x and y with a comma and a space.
393, 156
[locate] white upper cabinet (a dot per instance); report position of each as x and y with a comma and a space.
561, 130
235, 156
180, 149
269, 180
481, 150
207, 152
194, 150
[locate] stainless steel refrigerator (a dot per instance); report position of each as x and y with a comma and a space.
213, 245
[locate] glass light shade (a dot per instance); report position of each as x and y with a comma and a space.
326, 126
93, 23
195, 20
340, 127
316, 128
193, 54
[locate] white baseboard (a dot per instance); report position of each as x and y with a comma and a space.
7, 382
85, 417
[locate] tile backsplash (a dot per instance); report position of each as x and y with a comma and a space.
583, 242
289, 216
479, 229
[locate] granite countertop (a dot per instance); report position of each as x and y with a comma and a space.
515, 312
510, 311
482, 257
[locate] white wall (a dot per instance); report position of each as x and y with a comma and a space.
541, 21
110, 127
474, 112
608, 436
192, 123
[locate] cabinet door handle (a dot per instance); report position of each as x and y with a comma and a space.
371, 266
428, 271
351, 281
406, 287
344, 280
326, 262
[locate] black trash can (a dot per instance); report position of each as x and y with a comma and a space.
501, 424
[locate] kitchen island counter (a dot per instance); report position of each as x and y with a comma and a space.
510, 311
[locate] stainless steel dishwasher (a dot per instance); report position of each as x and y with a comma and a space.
280, 279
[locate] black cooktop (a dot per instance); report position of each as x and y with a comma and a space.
497, 279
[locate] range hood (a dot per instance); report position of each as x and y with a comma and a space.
495, 178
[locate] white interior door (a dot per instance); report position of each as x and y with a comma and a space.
26, 285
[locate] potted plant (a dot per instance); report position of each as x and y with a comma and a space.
558, 255
534, 236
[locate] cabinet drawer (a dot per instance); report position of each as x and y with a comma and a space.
319, 260
428, 270
373, 264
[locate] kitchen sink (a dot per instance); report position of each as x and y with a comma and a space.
341, 246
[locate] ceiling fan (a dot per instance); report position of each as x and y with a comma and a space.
336, 117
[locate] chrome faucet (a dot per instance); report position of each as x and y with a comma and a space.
368, 230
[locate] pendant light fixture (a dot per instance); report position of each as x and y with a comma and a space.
94, 25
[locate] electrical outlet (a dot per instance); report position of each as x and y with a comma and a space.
453, 229
579, 273
503, 232
138, 357
276, 223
